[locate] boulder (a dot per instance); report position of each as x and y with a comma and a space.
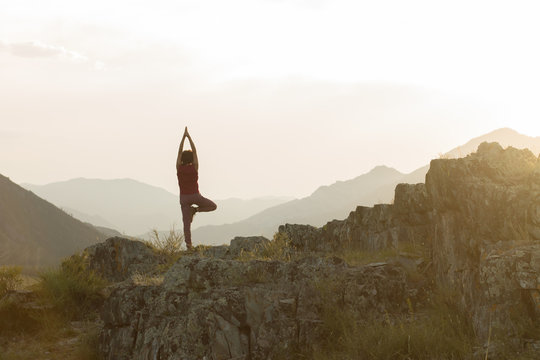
302, 237
117, 258
240, 244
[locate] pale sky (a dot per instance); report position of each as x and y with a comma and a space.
280, 96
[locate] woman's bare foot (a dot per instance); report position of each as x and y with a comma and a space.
193, 212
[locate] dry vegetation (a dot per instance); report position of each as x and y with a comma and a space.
10, 279
278, 249
167, 246
439, 331
53, 318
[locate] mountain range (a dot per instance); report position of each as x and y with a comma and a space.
134, 208
337, 200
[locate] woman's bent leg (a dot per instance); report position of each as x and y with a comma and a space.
204, 204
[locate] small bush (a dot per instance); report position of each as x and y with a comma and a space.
10, 279
168, 247
73, 289
169, 244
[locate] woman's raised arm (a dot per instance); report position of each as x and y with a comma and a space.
192, 144
180, 149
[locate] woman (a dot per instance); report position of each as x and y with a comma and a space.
187, 171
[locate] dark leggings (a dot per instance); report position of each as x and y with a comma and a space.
204, 205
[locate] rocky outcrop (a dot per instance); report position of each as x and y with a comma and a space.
209, 308
304, 237
479, 216
486, 232
117, 258
376, 228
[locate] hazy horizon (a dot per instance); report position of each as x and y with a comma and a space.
280, 96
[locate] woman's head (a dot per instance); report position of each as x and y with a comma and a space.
187, 157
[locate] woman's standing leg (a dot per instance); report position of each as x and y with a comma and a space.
187, 217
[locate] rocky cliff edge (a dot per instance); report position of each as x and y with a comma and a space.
476, 221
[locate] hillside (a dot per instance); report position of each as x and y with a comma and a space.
35, 233
134, 208
337, 200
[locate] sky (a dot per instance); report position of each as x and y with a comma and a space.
280, 96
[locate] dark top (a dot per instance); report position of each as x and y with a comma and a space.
188, 178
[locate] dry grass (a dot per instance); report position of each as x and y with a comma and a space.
70, 342
146, 279
168, 244
278, 249
10, 279
439, 332
73, 290
168, 247
44, 328
27, 282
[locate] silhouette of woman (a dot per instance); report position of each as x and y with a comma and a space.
187, 171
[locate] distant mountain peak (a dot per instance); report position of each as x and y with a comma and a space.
504, 136
384, 169
506, 130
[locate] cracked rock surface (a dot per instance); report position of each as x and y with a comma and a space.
210, 308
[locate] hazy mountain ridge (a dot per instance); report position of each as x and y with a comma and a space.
327, 202
134, 208
95, 220
34, 232
337, 200
110, 199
